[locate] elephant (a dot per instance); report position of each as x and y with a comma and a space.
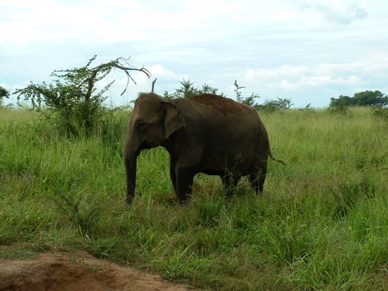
206, 133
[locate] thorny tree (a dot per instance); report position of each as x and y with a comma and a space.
73, 95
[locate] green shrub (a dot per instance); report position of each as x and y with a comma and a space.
380, 112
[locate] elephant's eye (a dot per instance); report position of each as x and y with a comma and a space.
141, 124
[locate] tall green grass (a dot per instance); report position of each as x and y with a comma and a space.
322, 222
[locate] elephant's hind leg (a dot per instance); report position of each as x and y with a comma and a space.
257, 178
230, 181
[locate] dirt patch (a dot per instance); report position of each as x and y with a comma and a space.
77, 271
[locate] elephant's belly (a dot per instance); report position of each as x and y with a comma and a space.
218, 164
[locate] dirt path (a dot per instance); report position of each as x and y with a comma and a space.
77, 271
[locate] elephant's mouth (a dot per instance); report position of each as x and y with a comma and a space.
149, 144
146, 146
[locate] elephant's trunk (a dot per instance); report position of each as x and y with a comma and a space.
130, 159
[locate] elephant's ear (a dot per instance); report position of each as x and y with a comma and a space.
173, 120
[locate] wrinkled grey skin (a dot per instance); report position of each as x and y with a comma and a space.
203, 134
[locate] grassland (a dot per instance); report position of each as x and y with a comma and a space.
322, 223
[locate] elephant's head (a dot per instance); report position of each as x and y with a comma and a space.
152, 122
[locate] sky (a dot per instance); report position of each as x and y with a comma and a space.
303, 50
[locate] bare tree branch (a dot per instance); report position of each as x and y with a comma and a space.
153, 85
90, 81
119, 63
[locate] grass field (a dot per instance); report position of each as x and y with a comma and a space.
322, 223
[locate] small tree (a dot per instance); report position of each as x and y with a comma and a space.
380, 112
276, 105
188, 90
73, 95
341, 101
250, 100
341, 109
3, 94
307, 107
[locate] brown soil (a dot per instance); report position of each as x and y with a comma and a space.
77, 271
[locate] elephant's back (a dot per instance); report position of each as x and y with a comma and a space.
220, 104
221, 119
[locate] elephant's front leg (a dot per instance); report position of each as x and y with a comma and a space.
184, 183
173, 175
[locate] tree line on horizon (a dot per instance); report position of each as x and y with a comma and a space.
187, 89
365, 98
74, 97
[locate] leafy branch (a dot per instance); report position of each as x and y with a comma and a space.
73, 94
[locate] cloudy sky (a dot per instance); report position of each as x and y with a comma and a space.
304, 50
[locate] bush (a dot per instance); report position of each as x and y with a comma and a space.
380, 112
3, 94
275, 105
72, 99
340, 109
188, 90
250, 100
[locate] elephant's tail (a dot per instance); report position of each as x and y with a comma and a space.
276, 160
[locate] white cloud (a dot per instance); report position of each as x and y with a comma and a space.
298, 78
158, 71
272, 48
340, 12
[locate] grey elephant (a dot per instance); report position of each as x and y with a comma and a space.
207, 134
